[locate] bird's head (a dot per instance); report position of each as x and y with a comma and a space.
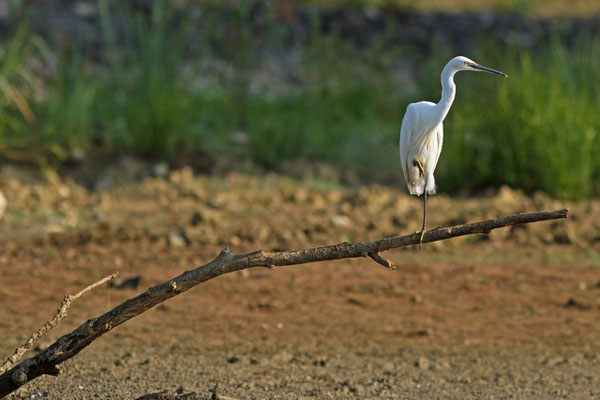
461, 63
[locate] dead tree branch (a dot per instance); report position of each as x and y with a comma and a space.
70, 344
60, 314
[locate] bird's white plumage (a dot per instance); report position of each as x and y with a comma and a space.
420, 139
422, 132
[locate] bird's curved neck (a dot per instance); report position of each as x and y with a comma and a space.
448, 92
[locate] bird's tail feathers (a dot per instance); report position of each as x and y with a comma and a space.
416, 189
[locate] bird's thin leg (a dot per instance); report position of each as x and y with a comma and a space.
424, 213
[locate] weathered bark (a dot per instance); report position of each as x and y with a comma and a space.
70, 344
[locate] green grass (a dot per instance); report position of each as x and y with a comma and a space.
167, 86
67, 113
16, 82
536, 130
143, 101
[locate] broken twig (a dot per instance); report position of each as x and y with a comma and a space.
60, 314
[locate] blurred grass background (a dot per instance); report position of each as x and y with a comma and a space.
159, 85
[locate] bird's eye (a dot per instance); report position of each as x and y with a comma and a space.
466, 63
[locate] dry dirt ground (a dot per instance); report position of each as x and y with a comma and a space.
509, 315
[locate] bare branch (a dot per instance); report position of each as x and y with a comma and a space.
60, 314
92, 287
71, 344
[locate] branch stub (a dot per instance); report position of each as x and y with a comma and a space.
19, 377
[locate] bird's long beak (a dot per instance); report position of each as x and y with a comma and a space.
493, 71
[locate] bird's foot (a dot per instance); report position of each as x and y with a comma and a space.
417, 163
420, 233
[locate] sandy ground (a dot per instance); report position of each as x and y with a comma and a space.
509, 315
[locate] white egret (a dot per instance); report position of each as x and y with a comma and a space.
422, 132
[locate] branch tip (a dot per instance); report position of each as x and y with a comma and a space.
225, 253
380, 260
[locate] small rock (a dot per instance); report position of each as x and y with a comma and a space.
160, 169
389, 366
353, 300
416, 299
235, 240
551, 362
423, 332
262, 234
125, 170
196, 218
359, 391
575, 359
562, 238
178, 238
244, 273
398, 222
340, 221
574, 303
216, 205
320, 362
233, 359
442, 364
422, 363
24, 390
126, 283
281, 358
77, 155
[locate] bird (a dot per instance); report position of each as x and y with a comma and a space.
422, 133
